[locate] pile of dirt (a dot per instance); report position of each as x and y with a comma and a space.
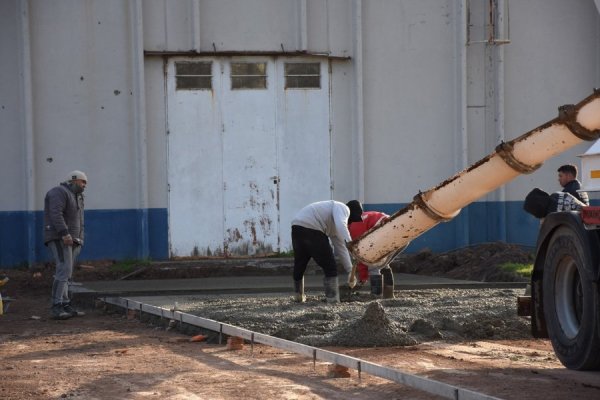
475, 263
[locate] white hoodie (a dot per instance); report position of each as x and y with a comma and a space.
331, 218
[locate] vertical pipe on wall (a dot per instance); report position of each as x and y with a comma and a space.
462, 233
196, 43
27, 126
139, 121
358, 71
499, 105
303, 26
494, 111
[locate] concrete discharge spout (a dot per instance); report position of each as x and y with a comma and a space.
523, 155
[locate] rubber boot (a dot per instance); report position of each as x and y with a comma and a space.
299, 295
388, 283
376, 283
332, 293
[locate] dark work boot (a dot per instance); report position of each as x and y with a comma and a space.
388, 282
299, 295
58, 312
73, 312
376, 284
332, 293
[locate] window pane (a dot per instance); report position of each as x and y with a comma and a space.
193, 68
302, 69
303, 82
248, 82
193, 75
194, 82
302, 76
248, 75
248, 69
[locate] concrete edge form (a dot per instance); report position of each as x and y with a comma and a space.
424, 384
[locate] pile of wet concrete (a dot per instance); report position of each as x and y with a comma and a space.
414, 316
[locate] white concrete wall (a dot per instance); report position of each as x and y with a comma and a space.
12, 151
83, 100
409, 84
73, 88
552, 65
409, 75
156, 132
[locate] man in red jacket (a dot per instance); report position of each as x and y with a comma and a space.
381, 279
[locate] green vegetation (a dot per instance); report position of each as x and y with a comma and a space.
518, 268
282, 254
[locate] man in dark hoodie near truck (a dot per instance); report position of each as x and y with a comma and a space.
63, 235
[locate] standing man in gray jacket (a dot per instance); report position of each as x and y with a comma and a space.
63, 235
312, 229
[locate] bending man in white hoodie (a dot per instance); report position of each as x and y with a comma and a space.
313, 228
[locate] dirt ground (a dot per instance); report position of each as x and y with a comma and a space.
108, 356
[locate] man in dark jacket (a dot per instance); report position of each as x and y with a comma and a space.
63, 235
567, 177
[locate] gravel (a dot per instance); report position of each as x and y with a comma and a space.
414, 316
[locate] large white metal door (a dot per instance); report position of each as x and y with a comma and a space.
250, 157
243, 159
304, 143
195, 175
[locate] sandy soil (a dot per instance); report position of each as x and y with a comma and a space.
107, 356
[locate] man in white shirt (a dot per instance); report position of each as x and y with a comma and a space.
313, 228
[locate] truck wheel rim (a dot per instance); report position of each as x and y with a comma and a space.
568, 297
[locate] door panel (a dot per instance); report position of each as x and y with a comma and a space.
304, 147
249, 165
242, 162
194, 169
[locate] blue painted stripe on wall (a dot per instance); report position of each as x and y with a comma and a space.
477, 223
109, 234
119, 234
14, 237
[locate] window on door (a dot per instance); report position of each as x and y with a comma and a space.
246, 75
193, 75
302, 75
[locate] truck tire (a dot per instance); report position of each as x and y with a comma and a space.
570, 298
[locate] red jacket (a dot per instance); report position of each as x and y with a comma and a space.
369, 220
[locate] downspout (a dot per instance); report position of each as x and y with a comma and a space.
303, 26
358, 71
139, 105
28, 134
196, 39
462, 129
499, 105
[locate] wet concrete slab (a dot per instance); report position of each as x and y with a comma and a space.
257, 284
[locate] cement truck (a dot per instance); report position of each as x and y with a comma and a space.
564, 301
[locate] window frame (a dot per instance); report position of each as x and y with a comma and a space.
286, 75
183, 76
233, 77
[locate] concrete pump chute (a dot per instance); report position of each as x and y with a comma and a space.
575, 123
